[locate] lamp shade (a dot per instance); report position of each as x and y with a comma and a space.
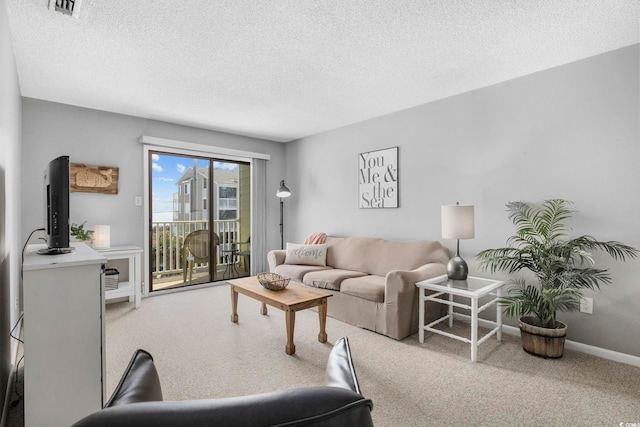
283, 191
101, 237
458, 222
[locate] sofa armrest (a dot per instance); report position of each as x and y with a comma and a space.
275, 258
401, 298
400, 281
139, 383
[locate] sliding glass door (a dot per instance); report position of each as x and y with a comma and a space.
200, 220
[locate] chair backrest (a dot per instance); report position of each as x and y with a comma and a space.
243, 247
247, 246
139, 401
198, 244
139, 383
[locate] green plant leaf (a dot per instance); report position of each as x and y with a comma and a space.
559, 265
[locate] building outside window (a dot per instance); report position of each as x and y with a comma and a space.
191, 201
227, 201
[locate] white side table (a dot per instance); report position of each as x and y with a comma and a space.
473, 288
133, 287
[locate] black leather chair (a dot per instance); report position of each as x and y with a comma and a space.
137, 401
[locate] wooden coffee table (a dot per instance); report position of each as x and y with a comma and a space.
291, 299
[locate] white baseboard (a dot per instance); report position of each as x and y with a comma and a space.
603, 353
585, 348
571, 345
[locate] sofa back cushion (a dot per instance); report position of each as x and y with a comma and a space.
378, 256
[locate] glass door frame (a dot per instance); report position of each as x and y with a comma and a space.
183, 225
149, 144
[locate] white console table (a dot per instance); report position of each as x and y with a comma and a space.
131, 288
63, 336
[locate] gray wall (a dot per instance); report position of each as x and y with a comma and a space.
9, 200
569, 132
97, 137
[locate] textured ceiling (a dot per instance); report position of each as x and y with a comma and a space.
285, 69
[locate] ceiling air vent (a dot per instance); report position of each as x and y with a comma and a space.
67, 7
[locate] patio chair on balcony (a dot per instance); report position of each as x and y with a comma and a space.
245, 253
196, 249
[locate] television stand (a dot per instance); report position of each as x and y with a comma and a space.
64, 346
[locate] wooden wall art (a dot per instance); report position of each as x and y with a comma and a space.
93, 179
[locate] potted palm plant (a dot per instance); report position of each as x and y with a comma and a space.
563, 268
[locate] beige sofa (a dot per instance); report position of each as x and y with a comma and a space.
372, 280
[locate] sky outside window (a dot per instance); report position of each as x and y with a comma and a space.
166, 171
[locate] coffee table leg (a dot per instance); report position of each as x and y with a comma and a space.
290, 317
263, 309
322, 314
234, 305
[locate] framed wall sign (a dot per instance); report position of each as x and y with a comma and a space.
378, 179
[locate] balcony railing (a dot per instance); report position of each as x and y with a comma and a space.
168, 237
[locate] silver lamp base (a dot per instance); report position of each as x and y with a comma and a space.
457, 268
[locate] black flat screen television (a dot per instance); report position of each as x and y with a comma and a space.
56, 207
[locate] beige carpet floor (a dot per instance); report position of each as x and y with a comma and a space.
201, 354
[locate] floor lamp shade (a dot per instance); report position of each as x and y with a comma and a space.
283, 191
458, 223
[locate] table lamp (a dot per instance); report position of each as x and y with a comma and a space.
457, 223
101, 237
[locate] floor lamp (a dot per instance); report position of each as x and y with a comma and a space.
282, 193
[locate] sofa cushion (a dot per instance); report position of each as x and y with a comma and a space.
370, 287
297, 272
306, 254
378, 256
329, 279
